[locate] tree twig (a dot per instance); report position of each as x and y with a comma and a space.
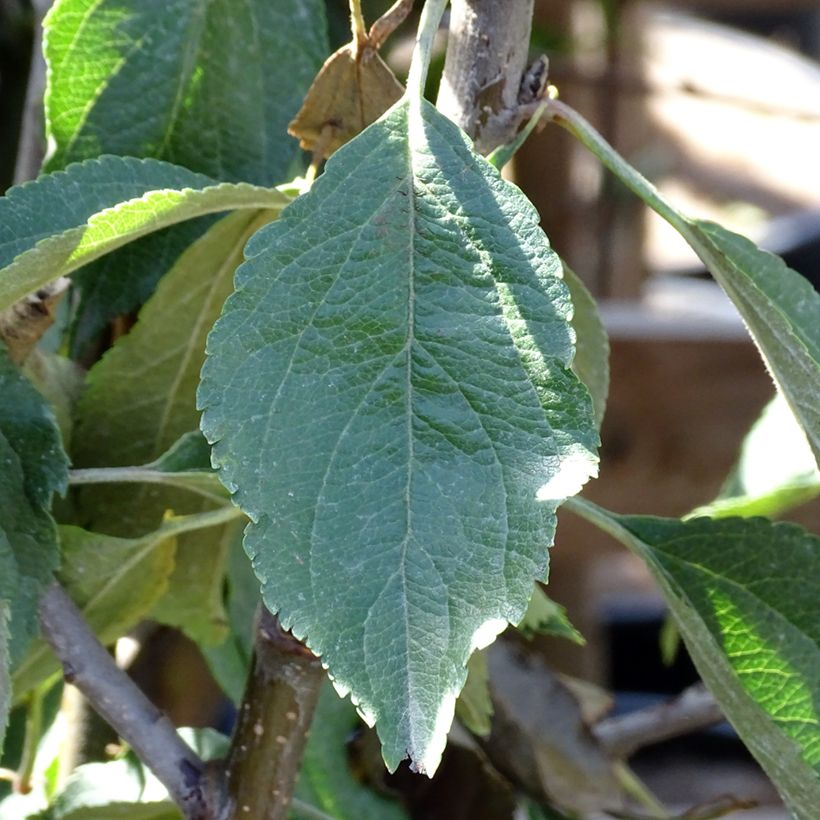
695, 708
32, 143
272, 726
117, 699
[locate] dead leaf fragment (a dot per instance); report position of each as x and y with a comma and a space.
352, 90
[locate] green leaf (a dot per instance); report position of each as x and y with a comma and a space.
230, 661
390, 397
33, 466
130, 421
781, 309
60, 222
776, 469
591, 362
474, 707
190, 453
114, 581
545, 617
28, 425
108, 791
325, 781
121, 282
60, 382
209, 85
746, 597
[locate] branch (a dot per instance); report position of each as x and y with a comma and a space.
487, 49
273, 723
118, 700
695, 708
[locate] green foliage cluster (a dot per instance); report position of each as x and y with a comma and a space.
400, 385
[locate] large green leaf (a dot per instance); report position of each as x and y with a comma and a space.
130, 421
390, 397
34, 466
745, 594
776, 469
62, 221
208, 84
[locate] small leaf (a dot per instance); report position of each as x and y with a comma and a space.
389, 395
208, 85
545, 617
60, 382
776, 469
62, 221
325, 780
591, 362
230, 661
746, 597
190, 453
474, 707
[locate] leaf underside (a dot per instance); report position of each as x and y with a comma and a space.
388, 392
746, 596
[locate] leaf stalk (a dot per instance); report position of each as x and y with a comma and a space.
429, 23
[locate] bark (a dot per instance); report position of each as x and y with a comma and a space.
272, 726
117, 699
484, 83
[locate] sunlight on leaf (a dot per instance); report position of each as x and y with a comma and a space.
387, 391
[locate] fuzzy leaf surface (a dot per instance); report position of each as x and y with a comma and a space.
390, 398
208, 84
746, 597
60, 222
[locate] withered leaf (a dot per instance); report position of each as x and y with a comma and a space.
352, 90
